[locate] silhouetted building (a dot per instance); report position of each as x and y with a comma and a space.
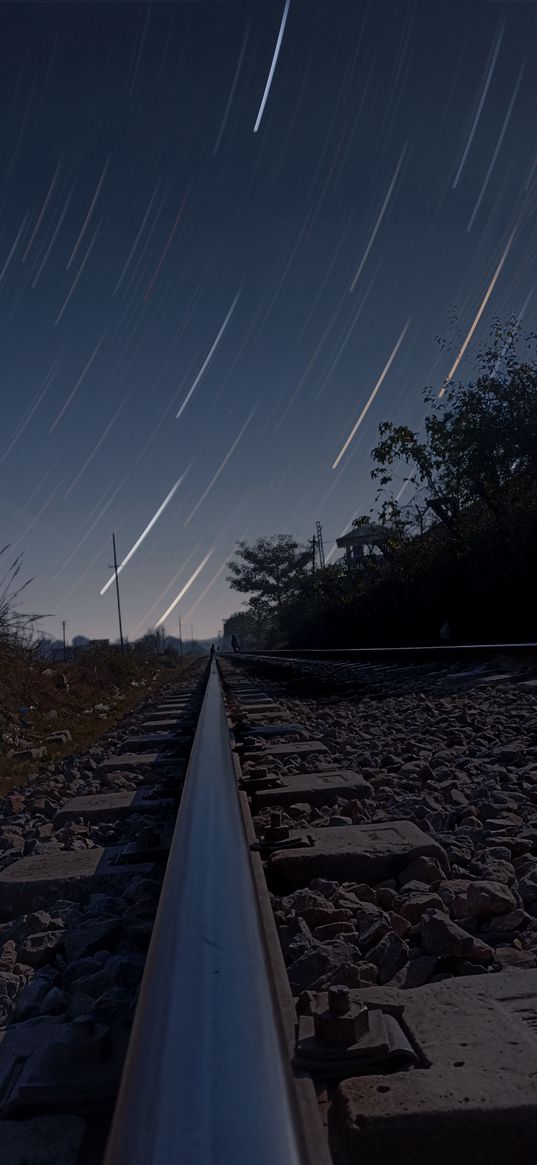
363, 541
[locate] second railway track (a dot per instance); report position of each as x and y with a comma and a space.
343, 963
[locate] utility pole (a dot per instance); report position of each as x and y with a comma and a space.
320, 545
192, 636
64, 647
313, 544
117, 593
180, 637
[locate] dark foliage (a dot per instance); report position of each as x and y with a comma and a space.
464, 551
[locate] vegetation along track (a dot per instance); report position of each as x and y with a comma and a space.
343, 963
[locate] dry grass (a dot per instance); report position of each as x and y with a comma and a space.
27, 696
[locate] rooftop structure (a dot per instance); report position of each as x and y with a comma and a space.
363, 541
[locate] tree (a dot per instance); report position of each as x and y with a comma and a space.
153, 642
252, 625
464, 548
271, 570
476, 440
242, 625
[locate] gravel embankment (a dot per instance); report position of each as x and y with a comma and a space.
461, 765
84, 954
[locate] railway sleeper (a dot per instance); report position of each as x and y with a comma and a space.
439, 1060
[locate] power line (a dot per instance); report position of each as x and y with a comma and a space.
320, 545
313, 545
117, 593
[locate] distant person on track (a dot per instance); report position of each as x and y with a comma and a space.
445, 633
235, 644
211, 652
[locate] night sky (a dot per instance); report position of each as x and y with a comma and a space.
199, 288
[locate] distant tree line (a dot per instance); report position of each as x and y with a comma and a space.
461, 552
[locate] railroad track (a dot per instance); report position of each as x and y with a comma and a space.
327, 955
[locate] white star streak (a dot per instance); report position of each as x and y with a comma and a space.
99, 554
216, 576
383, 374
340, 351
84, 372
305, 374
101, 510
221, 467
144, 619
136, 241
531, 173
519, 318
150, 234
20, 134
346, 338
480, 311
140, 50
378, 223
42, 213
167, 246
184, 589
55, 234
408, 481
12, 251
35, 521
272, 67
482, 99
497, 149
79, 273
96, 448
323, 283
89, 214
19, 515
281, 281
233, 87
37, 401
328, 556
144, 534
208, 358
36, 492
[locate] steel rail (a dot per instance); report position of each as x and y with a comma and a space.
446, 650
206, 1080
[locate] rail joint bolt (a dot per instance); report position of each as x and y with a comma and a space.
276, 831
341, 1023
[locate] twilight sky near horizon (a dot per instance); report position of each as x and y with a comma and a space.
211, 258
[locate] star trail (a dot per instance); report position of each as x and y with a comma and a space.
230, 236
